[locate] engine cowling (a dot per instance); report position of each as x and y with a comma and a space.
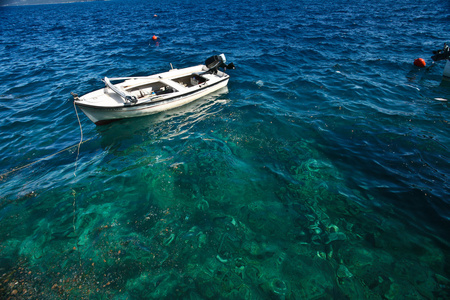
441, 54
218, 61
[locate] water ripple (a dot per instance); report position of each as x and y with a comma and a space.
328, 153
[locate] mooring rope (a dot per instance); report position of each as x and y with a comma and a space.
74, 203
51, 155
81, 139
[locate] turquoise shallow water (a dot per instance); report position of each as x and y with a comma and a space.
320, 173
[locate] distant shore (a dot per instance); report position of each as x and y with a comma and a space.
40, 2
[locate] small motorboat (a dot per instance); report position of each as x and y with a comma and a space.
443, 54
141, 96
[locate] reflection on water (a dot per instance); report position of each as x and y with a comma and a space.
166, 125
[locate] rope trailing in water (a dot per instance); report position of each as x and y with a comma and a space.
81, 139
74, 203
51, 155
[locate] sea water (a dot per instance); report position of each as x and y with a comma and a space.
321, 172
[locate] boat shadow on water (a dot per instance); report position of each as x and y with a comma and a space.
164, 125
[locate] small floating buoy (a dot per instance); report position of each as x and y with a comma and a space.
154, 37
419, 62
155, 15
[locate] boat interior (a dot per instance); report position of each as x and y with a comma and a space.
155, 88
190, 80
158, 88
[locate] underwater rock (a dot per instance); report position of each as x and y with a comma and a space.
239, 267
303, 249
169, 239
300, 208
349, 226
259, 251
335, 236
300, 221
242, 292
208, 287
152, 286
194, 238
279, 287
313, 165
221, 259
394, 292
343, 272
375, 239
332, 228
301, 235
330, 252
376, 281
275, 288
442, 280
211, 266
315, 239
357, 257
9, 248
230, 282
201, 239
351, 288
315, 286
444, 284
203, 205
194, 296
321, 254
280, 259
252, 273
423, 280
310, 217
315, 230
252, 247
192, 233
225, 222
228, 247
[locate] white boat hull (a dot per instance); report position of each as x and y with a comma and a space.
102, 116
447, 69
136, 97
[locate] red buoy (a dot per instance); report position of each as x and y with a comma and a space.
154, 37
419, 62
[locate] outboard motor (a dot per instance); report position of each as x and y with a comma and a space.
218, 61
441, 54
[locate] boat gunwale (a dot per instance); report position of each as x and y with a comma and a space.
159, 99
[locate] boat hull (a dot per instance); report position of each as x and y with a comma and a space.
105, 115
447, 69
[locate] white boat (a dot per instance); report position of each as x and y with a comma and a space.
141, 96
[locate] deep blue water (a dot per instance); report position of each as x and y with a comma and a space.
322, 172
